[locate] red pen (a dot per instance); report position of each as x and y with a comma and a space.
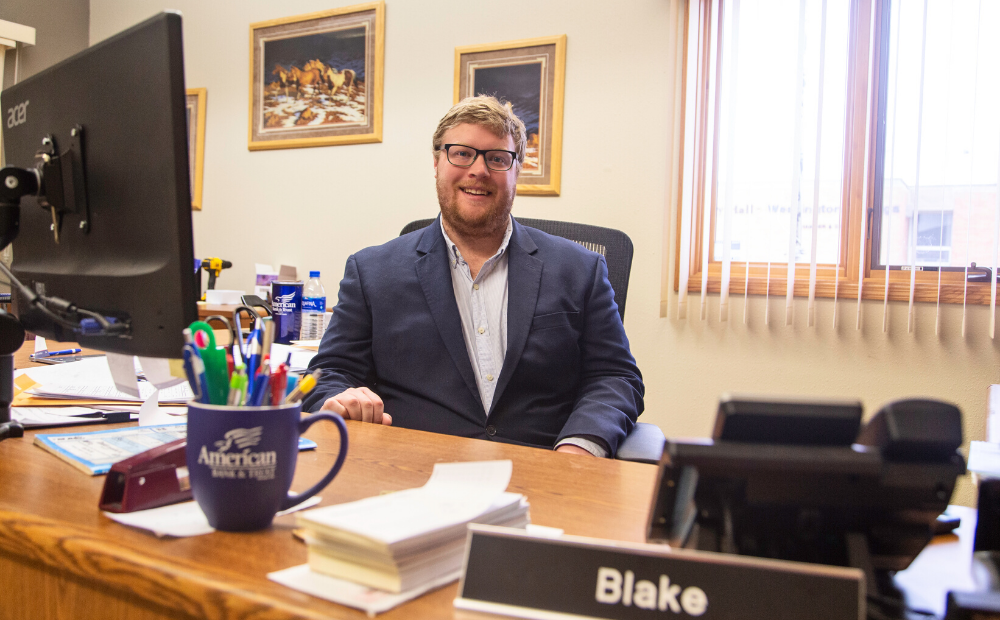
278, 382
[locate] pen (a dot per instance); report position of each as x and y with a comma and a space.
253, 353
260, 388
305, 386
267, 335
278, 381
51, 353
236, 384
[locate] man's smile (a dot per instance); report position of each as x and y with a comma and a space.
475, 191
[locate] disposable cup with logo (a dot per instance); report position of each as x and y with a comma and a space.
241, 461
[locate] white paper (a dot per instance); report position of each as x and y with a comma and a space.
52, 416
181, 520
123, 373
455, 494
88, 371
151, 414
157, 372
40, 344
368, 600
178, 393
300, 357
984, 458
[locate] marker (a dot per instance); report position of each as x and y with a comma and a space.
305, 386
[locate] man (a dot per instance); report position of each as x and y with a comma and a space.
476, 325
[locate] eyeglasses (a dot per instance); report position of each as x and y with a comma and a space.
463, 156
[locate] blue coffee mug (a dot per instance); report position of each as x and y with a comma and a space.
241, 461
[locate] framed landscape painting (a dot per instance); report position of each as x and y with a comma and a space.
316, 79
530, 75
196, 104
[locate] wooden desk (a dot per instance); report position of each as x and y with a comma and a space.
207, 310
61, 558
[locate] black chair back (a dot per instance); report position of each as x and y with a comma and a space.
614, 245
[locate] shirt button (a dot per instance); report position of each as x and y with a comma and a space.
489, 377
475, 286
491, 430
482, 330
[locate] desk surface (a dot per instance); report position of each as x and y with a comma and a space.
60, 557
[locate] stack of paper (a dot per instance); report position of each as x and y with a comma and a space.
404, 540
176, 394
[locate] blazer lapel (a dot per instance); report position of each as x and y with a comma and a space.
524, 274
435, 279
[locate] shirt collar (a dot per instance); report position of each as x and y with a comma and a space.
456, 256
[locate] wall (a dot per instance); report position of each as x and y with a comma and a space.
61, 30
313, 207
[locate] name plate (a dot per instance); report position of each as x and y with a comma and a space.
513, 573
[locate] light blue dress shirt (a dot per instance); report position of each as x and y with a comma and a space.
482, 306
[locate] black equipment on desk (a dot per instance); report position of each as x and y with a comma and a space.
11, 339
98, 187
97, 154
871, 503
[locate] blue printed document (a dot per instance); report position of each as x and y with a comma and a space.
95, 452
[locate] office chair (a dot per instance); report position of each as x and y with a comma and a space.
645, 443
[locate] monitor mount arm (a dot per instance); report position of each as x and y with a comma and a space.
59, 182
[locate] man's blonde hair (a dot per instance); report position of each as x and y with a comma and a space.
487, 112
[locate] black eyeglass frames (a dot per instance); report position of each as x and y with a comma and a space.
464, 156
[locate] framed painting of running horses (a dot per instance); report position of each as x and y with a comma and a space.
530, 75
316, 79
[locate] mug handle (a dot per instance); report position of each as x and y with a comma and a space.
293, 500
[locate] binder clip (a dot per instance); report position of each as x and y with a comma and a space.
153, 478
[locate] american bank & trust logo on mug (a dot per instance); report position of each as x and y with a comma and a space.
234, 457
285, 303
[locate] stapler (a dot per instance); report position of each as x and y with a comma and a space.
150, 479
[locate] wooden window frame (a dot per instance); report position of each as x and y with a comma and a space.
831, 281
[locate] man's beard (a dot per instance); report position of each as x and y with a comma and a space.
485, 223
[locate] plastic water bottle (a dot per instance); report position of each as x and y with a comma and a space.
313, 308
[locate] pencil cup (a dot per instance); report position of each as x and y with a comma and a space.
241, 461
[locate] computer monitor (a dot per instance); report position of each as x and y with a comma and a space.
109, 231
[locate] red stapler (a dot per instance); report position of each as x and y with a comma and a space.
153, 478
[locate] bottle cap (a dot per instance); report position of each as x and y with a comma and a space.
313, 274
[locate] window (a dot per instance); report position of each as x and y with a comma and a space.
830, 146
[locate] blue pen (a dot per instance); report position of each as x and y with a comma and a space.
253, 354
189, 372
51, 353
259, 387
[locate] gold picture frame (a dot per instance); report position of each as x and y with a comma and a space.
316, 79
196, 104
531, 75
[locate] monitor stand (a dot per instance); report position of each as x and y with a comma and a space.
8, 428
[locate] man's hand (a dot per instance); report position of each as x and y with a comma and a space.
358, 404
570, 448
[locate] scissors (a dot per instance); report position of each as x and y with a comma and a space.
236, 331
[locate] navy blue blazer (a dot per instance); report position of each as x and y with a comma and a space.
568, 370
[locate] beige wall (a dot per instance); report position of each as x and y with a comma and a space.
61, 30
313, 207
